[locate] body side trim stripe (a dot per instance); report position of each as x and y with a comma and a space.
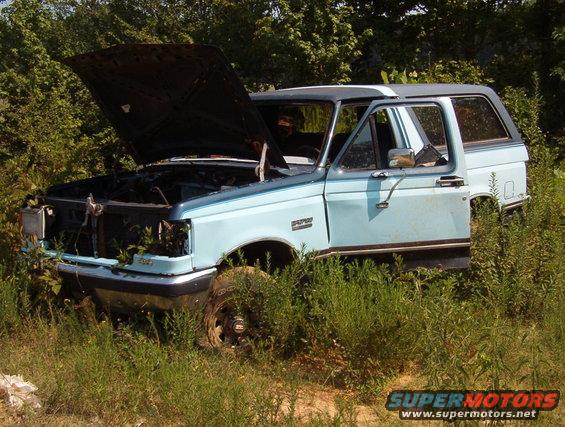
514, 205
395, 247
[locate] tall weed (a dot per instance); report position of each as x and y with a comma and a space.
517, 260
14, 298
364, 309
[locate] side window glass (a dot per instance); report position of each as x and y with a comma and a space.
370, 148
478, 122
361, 153
348, 118
430, 121
431, 128
423, 129
385, 136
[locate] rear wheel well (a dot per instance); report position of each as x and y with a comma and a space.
478, 200
274, 253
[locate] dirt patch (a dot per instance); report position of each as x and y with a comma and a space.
324, 403
316, 402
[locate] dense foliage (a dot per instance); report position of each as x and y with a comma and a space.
50, 130
272, 44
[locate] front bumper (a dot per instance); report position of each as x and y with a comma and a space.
126, 291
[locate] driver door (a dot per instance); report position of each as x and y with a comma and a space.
422, 208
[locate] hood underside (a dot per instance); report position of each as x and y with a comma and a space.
175, 100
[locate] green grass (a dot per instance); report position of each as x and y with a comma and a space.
120, 375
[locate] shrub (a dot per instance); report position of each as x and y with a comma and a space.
274, 306
181, 328
364, 309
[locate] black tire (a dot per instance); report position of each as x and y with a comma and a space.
224, 328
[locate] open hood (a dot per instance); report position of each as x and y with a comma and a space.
174, 100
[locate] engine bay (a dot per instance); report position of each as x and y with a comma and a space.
161, 184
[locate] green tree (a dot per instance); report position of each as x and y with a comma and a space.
271, 43
285, 42
509, 39
50, 130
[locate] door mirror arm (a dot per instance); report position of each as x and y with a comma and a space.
384, 205
380, 175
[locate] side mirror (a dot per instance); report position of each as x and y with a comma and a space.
401, 158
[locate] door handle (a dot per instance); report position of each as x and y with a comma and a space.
450, 181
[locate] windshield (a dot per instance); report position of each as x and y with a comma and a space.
298, 128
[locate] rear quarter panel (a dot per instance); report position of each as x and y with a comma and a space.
502, 163
501, 167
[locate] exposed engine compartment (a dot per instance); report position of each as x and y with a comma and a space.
161, 184
104, 216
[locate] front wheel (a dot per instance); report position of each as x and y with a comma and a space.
226, 328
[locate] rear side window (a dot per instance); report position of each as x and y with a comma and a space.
478, 122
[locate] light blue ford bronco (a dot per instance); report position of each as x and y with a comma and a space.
355, 170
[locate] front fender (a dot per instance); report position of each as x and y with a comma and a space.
295, 216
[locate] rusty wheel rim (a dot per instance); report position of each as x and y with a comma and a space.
227, 328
